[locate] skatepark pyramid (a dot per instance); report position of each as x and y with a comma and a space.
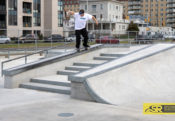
107, 75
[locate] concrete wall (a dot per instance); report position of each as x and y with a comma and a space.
51, 18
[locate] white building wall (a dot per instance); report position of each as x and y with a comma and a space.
51, 18
15, 31
115, 11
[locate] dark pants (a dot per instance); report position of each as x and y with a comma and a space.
78, 34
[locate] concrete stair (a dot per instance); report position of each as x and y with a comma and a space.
112, 55
89, 63
60, 80
46, 87
55, 84
59, 83
77, 68
105, 58
67, 72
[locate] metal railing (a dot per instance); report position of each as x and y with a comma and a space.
47, 37
25, 57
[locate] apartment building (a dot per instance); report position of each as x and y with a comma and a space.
152, 10
27, 16
171, 13
125, 8
109, 13
3, 16
72, 5
21, 17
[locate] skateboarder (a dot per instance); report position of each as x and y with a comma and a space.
80, 27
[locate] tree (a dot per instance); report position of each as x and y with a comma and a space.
133, 27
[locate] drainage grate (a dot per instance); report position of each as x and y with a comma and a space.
65, 114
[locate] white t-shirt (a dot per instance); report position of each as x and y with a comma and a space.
80, 22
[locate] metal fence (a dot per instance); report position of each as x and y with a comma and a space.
26, 44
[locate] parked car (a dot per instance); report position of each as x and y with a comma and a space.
70, 38
54, 38
4, 39
143, 39
158, 37
107, 40
169, 36
91, 37
28, 38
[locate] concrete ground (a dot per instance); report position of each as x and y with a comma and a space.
29, 105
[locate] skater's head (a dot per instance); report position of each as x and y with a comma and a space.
81, 12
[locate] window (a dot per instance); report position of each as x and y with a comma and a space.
37, 12
101, 16
117, 7
60, 13
12, 11
95, 16
85, 7
101, 6
123, 27
94, 7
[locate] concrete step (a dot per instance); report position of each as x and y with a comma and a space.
77, 68
85, 64
112, 54
46, 87
105, 58
89, 63
60, 80
67, 72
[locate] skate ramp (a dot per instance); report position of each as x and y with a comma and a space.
142, 77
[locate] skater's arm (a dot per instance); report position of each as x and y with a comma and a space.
68, 12
95, 20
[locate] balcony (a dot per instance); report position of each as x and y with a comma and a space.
2, 24
27, 21
27, 8
2, 9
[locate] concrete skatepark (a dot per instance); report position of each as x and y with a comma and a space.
123, 77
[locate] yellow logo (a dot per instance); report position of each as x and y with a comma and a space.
159, 108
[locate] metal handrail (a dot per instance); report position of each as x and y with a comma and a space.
25, 56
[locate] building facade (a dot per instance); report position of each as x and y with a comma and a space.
171, 13
109, 13
72, 5
22, 17
3, 16
125, 8
154, 11
53, 17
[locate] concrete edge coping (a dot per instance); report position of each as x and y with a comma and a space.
47, 61
78, 79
